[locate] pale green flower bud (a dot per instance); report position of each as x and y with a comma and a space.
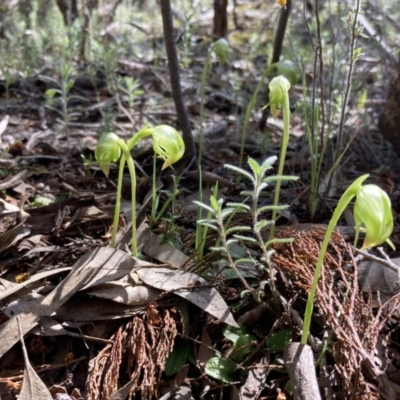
221, 50
107, 151
373, 209
278, 88
168, 144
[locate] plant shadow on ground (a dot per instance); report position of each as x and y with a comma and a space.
170, 323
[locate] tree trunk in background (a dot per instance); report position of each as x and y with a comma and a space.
389, 120
69, 10
220, 28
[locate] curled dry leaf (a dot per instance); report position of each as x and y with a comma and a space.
192, 288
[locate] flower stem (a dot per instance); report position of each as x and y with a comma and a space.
282, 155
118, 201
343, 202
131, 166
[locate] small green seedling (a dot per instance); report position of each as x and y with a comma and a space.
167, 144
61, 93
372, 213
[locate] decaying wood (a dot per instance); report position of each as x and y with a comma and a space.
299, 362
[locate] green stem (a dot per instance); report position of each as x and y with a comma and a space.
126, 148
132, 173
118, 201
282, 155
343, 202
204, 74
249, 110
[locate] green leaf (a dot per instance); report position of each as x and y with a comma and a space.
268, 162
240, 206
177, 358
203, 205
69, 86
280, 178
208, 224
279, 340
260, 224
232, 333
50, 93
240, 171
220, 368
246, 239
235, 250
278, 240
244, 345
231, 242
254, 166
226, 212
237, 229
45, 201
215, 204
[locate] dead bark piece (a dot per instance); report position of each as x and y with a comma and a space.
173, 66
69, 10
220, 27
299, 362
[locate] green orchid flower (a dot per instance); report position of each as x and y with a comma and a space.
278, 89
167, 144
373, 210
107, 151
221, 50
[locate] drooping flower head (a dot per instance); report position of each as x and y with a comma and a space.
107, 151
372, 209
168, 144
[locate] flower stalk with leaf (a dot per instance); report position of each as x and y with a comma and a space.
372, 214
167, 144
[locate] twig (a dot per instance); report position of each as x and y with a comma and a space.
299, 362
13, 181
173, 66
386, 261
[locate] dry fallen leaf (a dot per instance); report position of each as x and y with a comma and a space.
33, 387
189, 286
99, 266
125, 293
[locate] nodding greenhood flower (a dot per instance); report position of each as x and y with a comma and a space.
168, 144
278, 89
372, 209
221, 50
107, 151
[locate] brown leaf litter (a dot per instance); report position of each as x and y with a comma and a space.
142, 347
